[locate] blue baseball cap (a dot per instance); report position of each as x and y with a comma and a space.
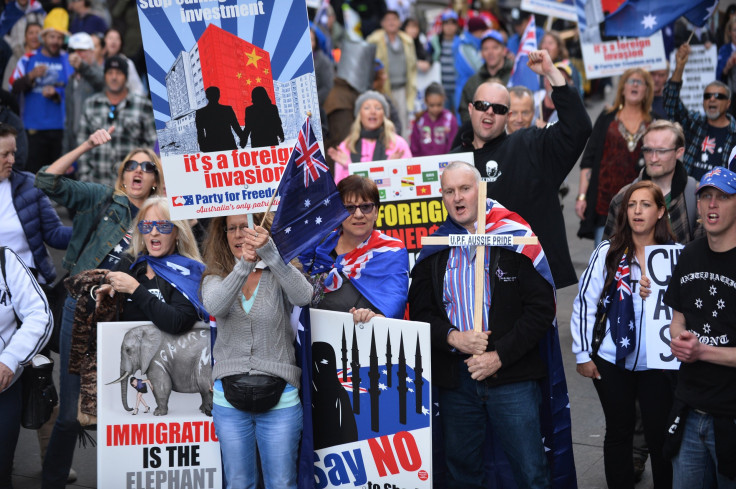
449, 15
494, 35
721, 178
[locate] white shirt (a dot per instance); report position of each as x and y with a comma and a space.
11, 231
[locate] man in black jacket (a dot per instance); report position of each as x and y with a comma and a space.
524, 170
484, 378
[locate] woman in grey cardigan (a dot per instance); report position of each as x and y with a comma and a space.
250, 291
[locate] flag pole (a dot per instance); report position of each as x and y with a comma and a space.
689, 38
273, 197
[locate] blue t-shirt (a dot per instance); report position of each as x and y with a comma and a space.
41, 113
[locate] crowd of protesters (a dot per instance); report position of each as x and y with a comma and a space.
77, 128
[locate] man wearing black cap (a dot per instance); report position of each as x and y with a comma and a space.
495, 65
702, 295
130, 113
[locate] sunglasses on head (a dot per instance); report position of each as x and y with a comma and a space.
483, 106
717, 95
366, 208
164, 227
146, 166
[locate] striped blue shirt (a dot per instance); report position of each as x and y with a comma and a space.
459, 289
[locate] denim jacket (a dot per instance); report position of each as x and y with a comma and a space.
87, 199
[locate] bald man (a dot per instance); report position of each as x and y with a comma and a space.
524, 170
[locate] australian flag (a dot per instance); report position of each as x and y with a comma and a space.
621, 312
310, 206
522, 74
642, 18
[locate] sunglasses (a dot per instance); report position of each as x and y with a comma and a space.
717, 95
483, 106
146, 166
366, 208
164, 227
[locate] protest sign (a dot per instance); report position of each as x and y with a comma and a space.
700, 70
411, 202
168, 442
372, 402
660, 263
608, 56
560, 9
231, 86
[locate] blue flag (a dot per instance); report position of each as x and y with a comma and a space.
642, 18
621, 312
310, 206
305, 468
522, 74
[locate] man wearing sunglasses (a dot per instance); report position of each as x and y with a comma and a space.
709, 137
524, 170
130, 113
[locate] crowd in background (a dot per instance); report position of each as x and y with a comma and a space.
77, 128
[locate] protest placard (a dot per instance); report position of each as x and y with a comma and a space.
605, 56
660, 263
560, 9
151, 431
371, 401
411, 202
700, 70
231, 86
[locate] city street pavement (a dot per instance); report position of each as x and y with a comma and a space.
588, 427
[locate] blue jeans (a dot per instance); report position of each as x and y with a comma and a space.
696, 466
275, 432
10, 407
60, 452
512, 411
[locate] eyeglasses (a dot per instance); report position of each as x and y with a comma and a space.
164, 227
366, 208
232, 229
717, 95
111, 113
660, 152
635, 81
706, 195
483, 106
146, 166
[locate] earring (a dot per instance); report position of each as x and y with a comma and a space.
124, 186
153, 189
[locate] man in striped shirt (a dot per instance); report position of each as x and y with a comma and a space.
488, 378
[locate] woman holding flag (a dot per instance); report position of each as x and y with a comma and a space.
158, 292
250, 291
609, 336
358, 269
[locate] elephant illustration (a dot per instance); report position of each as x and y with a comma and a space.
171, 362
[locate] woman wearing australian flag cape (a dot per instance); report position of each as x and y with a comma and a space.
428, 284
356, 268
162, 273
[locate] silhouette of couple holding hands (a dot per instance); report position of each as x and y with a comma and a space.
216, 123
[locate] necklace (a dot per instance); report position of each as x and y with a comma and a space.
631, 138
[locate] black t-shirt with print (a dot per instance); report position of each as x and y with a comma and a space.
703, 289
711, 152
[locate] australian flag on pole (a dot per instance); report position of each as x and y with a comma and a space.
621, 312
310, 205
522, 74
642, 18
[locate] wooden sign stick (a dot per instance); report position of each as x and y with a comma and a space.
480, 261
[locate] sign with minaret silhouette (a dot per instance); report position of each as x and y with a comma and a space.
371, 402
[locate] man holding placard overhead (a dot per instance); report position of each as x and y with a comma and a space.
487, 364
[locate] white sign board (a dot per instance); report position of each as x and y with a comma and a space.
700, 70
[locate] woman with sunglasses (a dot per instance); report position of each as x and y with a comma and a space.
372, 136
250, 291
613, 157
156, 291
382, 285
609, 294
101, 232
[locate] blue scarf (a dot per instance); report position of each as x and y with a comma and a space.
184, 274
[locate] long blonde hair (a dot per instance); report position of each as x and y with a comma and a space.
186, 245
388, 138
646, 105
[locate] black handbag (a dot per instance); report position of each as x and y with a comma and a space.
253, 393
39, 393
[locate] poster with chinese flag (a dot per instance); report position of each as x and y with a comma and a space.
231, 83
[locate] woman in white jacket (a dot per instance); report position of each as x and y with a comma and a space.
619, 367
